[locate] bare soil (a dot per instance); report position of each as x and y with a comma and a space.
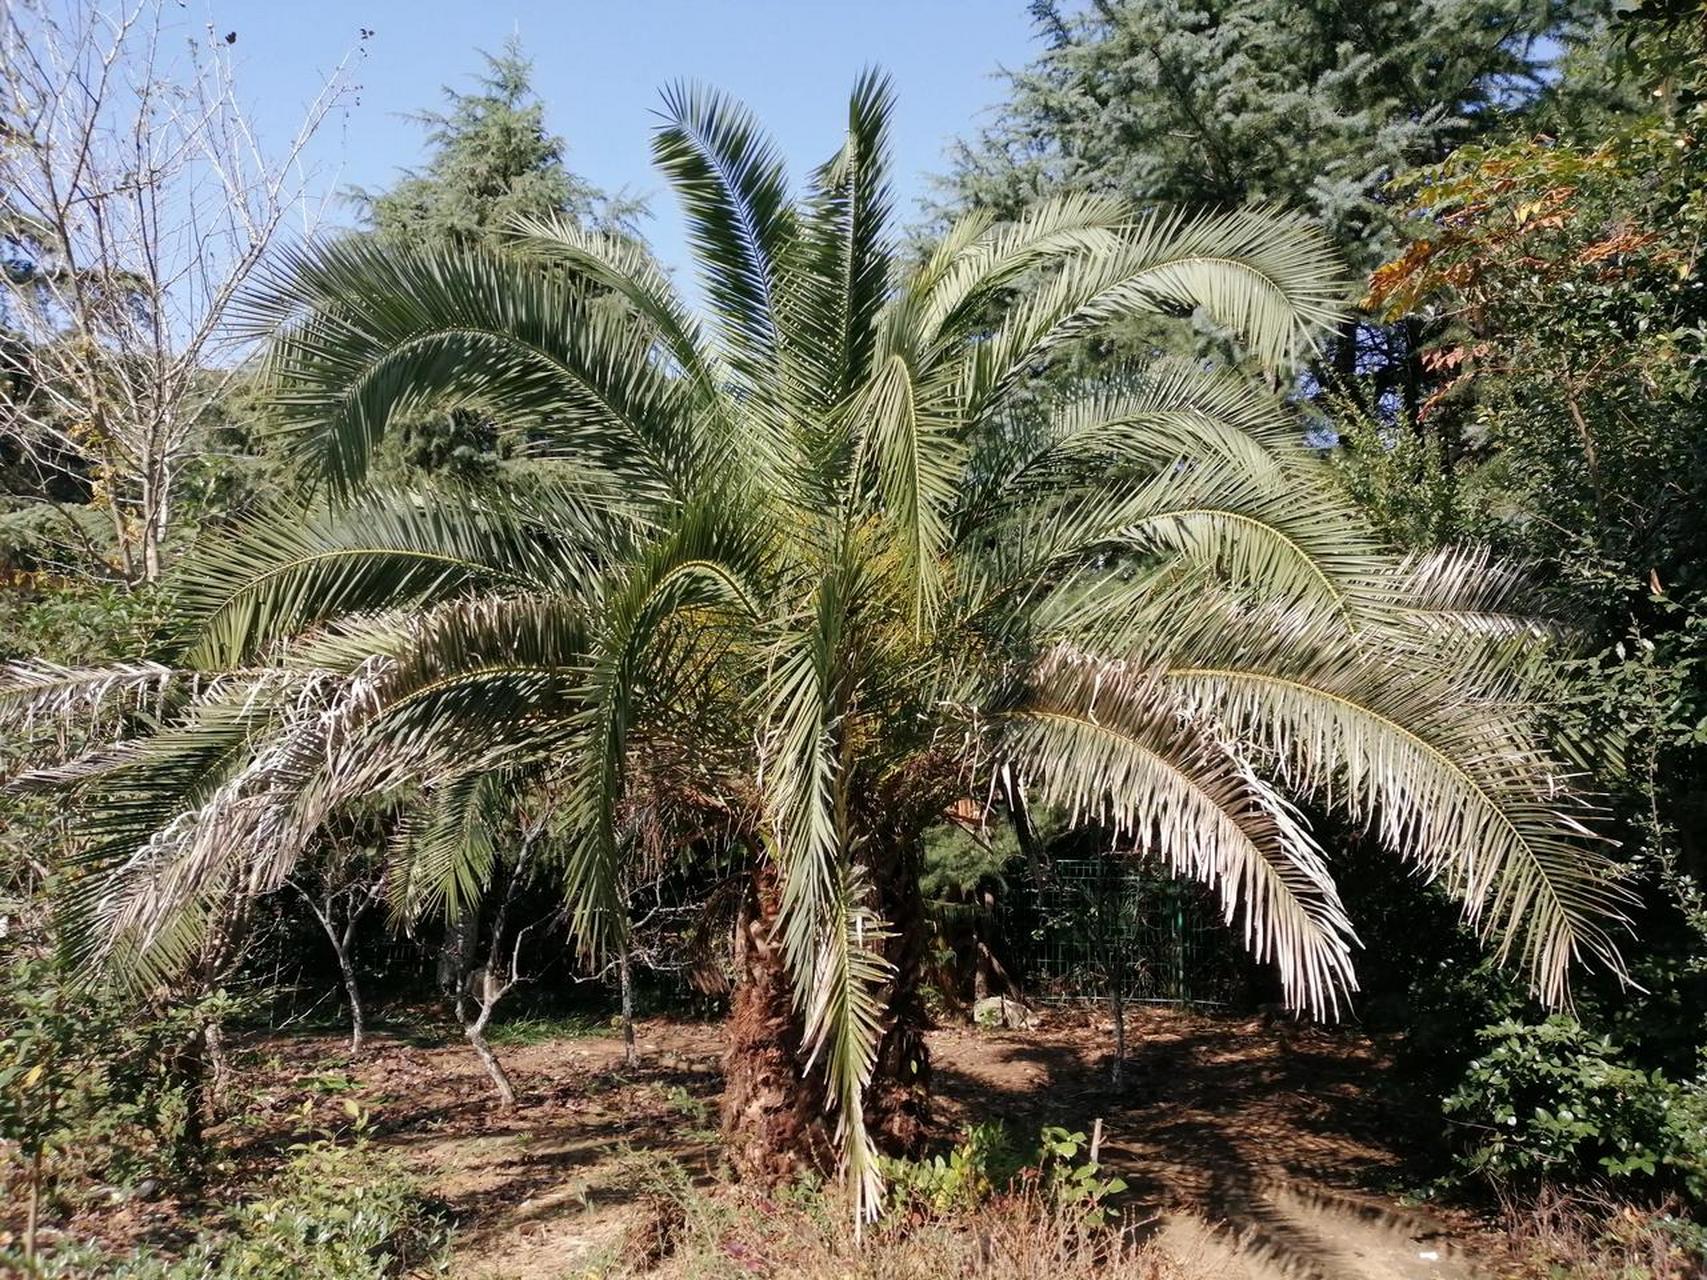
1253, 1150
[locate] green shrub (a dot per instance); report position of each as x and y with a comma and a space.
983, 1161
1069, 1181
93, 1088
336, 1211
987, 1162
1551, 1102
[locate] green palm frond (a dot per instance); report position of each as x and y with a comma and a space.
1268, 277
627, 269
844, 1023
1174, 412
1431, 747
444, 852
366, 330
1101, 745
729, 178
915, 459
844, 260
712, 566
976, 262
287, 569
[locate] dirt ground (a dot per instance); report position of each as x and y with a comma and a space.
1253, 1150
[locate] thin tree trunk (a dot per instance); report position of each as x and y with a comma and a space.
1117, 998
625, 981
493, 985
456, 957
353, 990
343, 941
476, 1033
219, 1065
34, 1213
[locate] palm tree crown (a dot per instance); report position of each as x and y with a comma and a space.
819, 561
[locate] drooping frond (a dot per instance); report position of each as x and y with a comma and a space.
976, 262
1103, 744
217, 806
288, 568
915, 458
1173, 412
1270, 278
712, 566
626, 268
1250, 531
48, 692
443, 853
363, 331
1429, 745
1467, 588
844, 1019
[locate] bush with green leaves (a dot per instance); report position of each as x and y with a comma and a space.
987, 1162
338, 1210
97, 1093
1552, 1102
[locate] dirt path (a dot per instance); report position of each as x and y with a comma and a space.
1251, 1148
1255, 1145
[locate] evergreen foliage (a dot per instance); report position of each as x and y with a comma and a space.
491, 160
1314, 105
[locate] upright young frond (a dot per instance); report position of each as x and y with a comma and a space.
741, 223
839, 279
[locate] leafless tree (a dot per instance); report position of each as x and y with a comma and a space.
478, 993
348, 886
136, 200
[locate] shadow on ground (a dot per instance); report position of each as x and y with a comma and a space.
1253, 1151
1257, 1149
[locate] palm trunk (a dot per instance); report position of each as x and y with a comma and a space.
897, 1111
773, 1116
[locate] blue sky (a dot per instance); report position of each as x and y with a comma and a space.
599, 66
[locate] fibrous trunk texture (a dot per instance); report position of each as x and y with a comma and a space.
773, 1114
775, 1117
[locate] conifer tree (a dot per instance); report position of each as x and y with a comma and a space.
492, 160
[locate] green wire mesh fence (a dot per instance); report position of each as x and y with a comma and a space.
1106, 924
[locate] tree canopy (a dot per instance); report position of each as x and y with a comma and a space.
491, 159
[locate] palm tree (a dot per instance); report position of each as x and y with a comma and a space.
811, 566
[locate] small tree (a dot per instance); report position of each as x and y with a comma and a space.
136, 200
347, 883
491, 160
